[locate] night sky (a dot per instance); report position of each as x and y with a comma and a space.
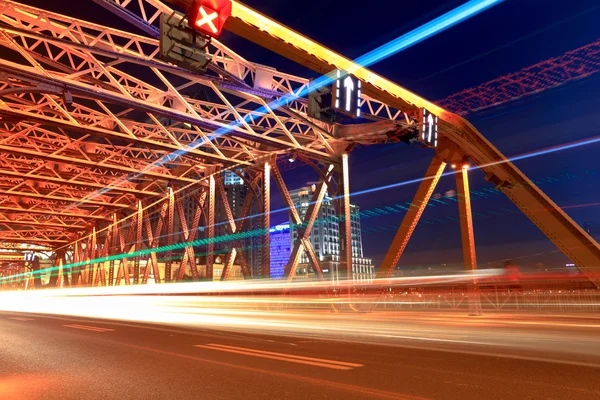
504, 39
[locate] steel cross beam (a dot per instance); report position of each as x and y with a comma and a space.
83, 216
71, 183
38, 224
112, 73
304, 244
251, 29
305, 228
411, 218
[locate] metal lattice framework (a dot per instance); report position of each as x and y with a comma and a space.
101, 141
575, 64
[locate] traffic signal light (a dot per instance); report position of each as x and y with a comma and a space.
429, 128
209, 16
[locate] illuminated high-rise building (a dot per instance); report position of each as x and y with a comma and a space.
280, 249
325, 238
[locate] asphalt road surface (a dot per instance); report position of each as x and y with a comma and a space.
61, 357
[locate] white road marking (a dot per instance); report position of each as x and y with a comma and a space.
21, 319
319, 362
89, 328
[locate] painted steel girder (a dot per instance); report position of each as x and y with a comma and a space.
76, 160
575, 64
260, 118
16, 162
270, 34
285, 83
304, 231
40, 224
344, 225
41, 234
92, 164
37, 117
58, 212
260, 137
71, 183
145, 15
50, 243
83, 202
45, 141
567, 235
411, 218
169, 112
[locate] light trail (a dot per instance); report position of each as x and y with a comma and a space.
438, 25
313, 311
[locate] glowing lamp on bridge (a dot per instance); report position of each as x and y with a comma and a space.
209, 16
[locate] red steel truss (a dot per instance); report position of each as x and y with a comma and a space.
102, 143
575, 64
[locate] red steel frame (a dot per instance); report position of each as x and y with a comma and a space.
95, 160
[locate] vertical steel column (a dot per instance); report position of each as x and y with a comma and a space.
56, 275
92, 255
100, 279
266, 223
170, 222
468, 238
76, 269
153, 240
411, 218
138, 244
113, 250
344, 224
210, 227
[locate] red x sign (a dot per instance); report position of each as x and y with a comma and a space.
209, 16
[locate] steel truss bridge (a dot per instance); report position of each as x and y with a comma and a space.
100, 140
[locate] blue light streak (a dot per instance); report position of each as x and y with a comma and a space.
440, 24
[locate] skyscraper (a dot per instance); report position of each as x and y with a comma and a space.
325, 238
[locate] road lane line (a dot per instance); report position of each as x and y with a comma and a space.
337, 385
89, 328
345, 364
21, 319
319, 362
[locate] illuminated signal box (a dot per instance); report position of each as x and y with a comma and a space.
346, 94
429, 128
209, 16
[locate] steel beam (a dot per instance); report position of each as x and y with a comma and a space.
91, 164
345, 219
73, 182
37, 224
266, 222
555, 223
305, 244
210, 227
304, 231
54, 213
468, 237
170, 226
411, 218
65, 199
